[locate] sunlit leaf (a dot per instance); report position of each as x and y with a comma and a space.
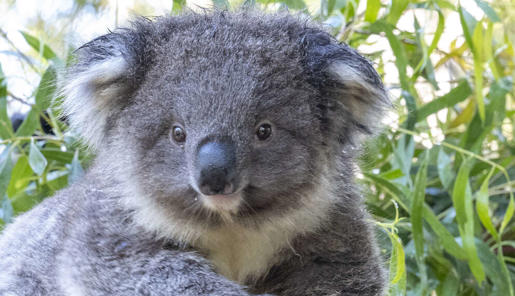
20, 176
478, 69
468, 24
459, 93
396, 9
373, 7
488, 10
43, 49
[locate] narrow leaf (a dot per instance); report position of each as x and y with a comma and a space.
396, 10
488, 10
478, 69
417, 217
43, 49
37, 161
462, 200
46, 89
372, 11
20, 176
6, 130
482, 208
458, 94
468, 24
6, 166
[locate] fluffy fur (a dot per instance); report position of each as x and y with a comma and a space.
137, 224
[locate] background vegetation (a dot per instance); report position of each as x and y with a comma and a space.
439, 179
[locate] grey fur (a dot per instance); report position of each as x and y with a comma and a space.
136, 223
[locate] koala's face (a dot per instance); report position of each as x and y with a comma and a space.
225, 116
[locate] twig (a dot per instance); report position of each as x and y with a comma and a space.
23, 101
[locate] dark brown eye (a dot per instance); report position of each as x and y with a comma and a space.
264, 131
178, 134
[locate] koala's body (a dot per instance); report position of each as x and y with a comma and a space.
225, 155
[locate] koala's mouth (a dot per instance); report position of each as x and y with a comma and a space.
226, 203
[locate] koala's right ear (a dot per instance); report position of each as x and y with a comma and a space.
355, 96
106, 71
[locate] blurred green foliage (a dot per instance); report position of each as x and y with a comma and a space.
439, 179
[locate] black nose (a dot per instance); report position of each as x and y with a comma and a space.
216, 164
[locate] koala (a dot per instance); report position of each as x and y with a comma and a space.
225, 153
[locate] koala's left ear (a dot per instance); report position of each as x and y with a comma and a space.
347, 81
106, 70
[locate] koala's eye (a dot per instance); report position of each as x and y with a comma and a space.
264, 131
178, 134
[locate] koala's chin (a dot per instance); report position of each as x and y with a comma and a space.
226, 145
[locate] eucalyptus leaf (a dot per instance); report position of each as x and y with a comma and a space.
37, 161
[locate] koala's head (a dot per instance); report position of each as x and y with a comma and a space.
219, 116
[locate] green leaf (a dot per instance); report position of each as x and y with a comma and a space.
402, 155
493, 269
43, 49
37, 161
509, 214
295, 4
488, 10
6, 130
6, 166
489, 53
372, 11
178, 5
482, 208
444, 236
449, 286
30, 124
20, 177
462, 200
417, 210
44, 95
46, 89
397, 267
468, 24
57, 155
438, 33
392, 175
478, 69
6, 210
401, 60
396, 10
458, 94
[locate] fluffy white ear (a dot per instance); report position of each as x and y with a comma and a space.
106, 72
351, 89
90, 96
363, 99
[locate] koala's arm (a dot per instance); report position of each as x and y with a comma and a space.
106, 254
79, 243
340, 259
170, 273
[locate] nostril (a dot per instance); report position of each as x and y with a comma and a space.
216, 164
216, 181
